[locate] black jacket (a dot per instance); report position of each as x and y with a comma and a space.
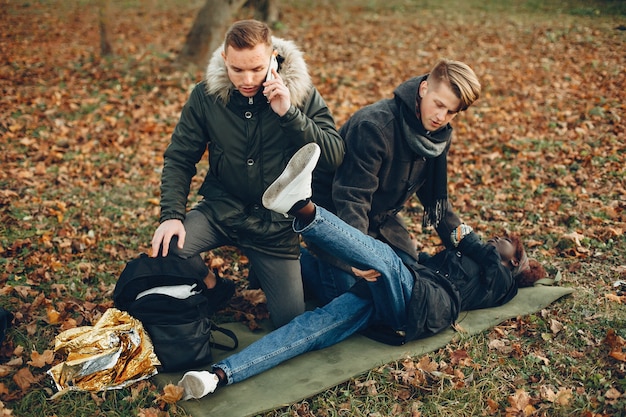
452, 281
380, 172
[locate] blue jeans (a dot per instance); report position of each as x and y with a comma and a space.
321, 279
344, 315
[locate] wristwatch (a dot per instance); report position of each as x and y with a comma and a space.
459, 233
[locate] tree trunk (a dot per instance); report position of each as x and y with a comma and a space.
103, 21
207, 31
265, 10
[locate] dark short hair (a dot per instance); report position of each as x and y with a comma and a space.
246, 34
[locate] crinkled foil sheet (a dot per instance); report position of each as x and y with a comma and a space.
112, 354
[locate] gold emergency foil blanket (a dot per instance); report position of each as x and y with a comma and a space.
112, 354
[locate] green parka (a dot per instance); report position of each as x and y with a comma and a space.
248, 147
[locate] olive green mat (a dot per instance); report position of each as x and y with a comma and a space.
314, 372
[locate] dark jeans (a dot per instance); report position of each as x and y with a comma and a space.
279, 278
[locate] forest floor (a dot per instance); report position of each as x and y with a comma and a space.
541, 153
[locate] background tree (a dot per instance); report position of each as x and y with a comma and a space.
103, 21
265, 10
211, 22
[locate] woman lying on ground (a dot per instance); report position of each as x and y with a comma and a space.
416, 301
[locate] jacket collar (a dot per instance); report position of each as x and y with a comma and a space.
293, 70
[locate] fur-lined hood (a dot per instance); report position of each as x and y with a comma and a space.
292, 69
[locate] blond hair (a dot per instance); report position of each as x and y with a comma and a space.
246, 34
460, 78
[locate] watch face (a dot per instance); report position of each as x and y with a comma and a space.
459, 233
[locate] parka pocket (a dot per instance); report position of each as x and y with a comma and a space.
216, 157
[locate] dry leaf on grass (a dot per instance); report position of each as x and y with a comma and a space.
612, 395
152, 412
5, 411
520, 405
40, 360
171, 394
24, 379
616, 345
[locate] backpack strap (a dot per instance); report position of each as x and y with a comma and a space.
228, 333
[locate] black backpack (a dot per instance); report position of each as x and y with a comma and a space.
180, 328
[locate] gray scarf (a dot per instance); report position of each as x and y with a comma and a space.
423, 145
433, 148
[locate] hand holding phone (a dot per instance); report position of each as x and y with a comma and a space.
276, 92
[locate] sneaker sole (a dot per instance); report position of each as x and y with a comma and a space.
304, 160
194, 387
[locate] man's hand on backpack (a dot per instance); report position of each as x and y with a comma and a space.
163, 236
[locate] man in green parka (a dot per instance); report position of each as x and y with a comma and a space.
256, 106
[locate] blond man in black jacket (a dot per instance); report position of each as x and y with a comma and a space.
396, 148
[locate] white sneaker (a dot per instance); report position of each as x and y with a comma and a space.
294, 184
197, 384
